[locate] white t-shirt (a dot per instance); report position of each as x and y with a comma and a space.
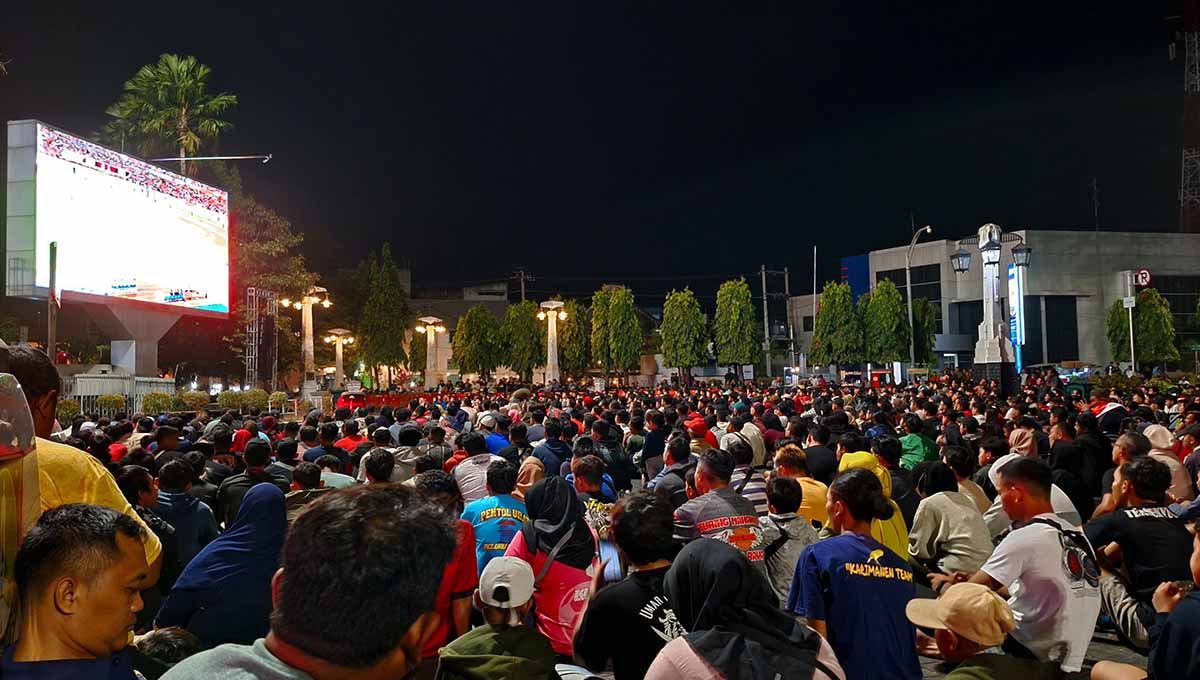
1054, 612
471, 475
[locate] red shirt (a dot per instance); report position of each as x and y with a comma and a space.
458, 457
460, 579
350, 442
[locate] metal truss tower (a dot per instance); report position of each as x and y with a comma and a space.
262, 310
1189, 176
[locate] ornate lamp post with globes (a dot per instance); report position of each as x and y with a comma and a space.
430, 326
314, 295
339, 337
552, 312
995, 358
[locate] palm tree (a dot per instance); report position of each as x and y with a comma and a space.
167, 106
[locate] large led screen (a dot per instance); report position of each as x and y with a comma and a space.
127, 229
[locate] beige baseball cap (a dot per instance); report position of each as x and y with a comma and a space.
968, 610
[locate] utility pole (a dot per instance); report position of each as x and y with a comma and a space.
522, 276
1096, 203
766, 324
814, 310
787, 296
52, 303
1130, 303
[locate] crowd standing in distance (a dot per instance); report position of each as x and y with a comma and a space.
818, 530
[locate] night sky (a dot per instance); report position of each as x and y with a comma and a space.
679, 142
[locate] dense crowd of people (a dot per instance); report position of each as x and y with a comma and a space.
813, 531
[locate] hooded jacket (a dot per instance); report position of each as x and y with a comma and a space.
891, 532
490, 652
195, 525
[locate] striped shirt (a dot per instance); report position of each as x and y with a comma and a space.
752, 486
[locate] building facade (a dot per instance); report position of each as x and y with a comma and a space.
1073, 278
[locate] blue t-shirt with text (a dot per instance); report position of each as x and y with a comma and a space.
496, 520
859, 588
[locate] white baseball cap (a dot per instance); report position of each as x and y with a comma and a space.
506, 583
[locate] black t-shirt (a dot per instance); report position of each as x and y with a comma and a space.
628, 622
1106, 481
904, 494
822, 463
1155, 545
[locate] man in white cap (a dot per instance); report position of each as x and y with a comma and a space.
504, 647
969, 623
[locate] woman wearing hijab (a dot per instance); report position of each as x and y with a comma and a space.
1021, 441
890, 531
1163, 449
224, 593
560, 547
239, 440
736, 627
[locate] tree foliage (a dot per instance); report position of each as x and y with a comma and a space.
230, 399
599, 329
167, 108
194, 400
418, 352
925, 327
885, 325
476, 344
624, 331
523, 338
733, 324
683, 334
1153, 329
155, 403
574, 337
66, 410
256, 398
385, 316
837, 330
264, 253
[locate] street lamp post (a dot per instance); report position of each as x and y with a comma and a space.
995, 356
912, 343
552, 312
338, 337
314, 295
430, 326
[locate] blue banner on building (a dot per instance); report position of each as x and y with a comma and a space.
1016, 311
856, 271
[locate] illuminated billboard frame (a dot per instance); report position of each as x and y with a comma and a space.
26, 270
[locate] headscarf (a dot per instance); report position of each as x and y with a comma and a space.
869, 462
554, 510
1021, 441
240, 438
1161, 439
249, 551
734, 617
267, 426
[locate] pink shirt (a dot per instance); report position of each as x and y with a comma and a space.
559, 599
678, 661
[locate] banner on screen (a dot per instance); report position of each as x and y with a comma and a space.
125, 228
